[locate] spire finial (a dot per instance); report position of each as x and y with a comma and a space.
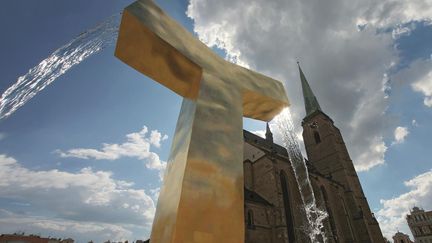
269, 134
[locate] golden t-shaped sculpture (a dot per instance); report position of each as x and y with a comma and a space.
202, 196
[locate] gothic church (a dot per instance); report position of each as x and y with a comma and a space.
273, 204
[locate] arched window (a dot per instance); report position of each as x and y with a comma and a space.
330, 213
250, 220
317, 137
287, 207
347, 216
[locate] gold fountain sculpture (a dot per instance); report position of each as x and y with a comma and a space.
202, 196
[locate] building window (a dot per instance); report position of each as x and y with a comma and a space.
330, 213
250, 219
287, 207
347, 216
317, 137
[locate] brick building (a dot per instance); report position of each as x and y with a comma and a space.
400, 237
273, 207
420, 224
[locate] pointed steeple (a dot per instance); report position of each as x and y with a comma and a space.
310, 101
269, 134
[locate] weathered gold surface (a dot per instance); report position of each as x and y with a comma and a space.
202, 196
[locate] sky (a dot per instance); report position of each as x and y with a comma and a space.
84, 157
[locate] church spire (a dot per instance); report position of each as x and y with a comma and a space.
269, 134
311, 102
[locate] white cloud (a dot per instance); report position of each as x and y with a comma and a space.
424, 86
336, 57
79, 231
392, 12
344, 64
392, 216
138, 146
419, 75
400, 31
155, 193
372, 157
156, 137
400, 134
87, 198
260, 133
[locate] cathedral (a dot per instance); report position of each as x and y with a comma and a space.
273, 206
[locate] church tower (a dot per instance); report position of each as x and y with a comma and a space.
328, 155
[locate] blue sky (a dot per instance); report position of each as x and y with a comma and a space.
375, 82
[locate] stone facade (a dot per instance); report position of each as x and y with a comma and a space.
273, 207
274, 211
329, 157
400, 237
420, 223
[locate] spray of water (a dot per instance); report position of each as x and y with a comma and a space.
47, 71
103, 36
315, 216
